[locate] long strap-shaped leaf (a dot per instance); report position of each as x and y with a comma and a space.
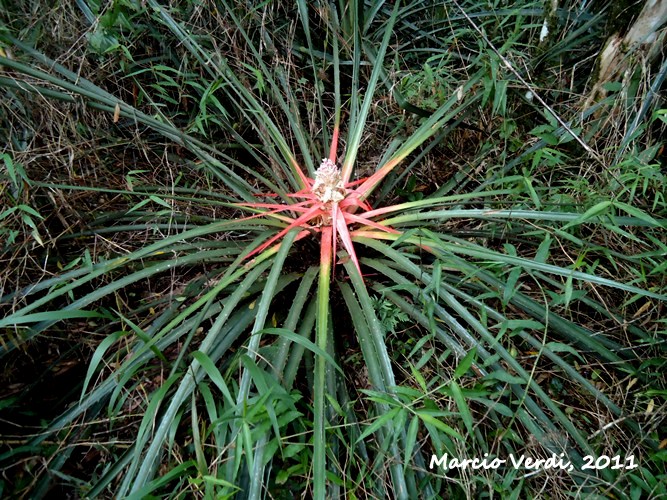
534, 410
256, 469
187, 384
379, 356
296, 223
359, 122
322, 330
467, 248
104, 268
105, 101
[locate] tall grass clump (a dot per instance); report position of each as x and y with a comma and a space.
259, 250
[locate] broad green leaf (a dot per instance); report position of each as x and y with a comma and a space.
214, 374
594, 211
381, 421
639, 214
437, 423
503, 376
298, 339
50, 316
465, 364
95, 361
410, 440
461, 404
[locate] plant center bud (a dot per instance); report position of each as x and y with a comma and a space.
328, 186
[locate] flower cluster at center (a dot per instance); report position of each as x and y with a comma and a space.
330, 205
328, 186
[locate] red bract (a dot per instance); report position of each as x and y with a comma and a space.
329, 202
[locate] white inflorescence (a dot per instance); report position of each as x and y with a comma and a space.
328, 186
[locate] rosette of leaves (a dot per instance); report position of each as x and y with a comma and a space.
253, 394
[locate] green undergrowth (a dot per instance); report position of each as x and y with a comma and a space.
517, 310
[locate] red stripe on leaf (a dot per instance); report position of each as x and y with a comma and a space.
304, 179
366, 222
325, 247
347, 242
311, 214
353, 200
334, 146
374, 179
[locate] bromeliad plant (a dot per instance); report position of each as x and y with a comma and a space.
329, 208
236, 396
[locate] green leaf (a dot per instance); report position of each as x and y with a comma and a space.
438, 424
510, 287
461, 404
97, 358
302, 341
465, 364
30, 211
172, 474
214, 374
410, 441
503, 376
379, 422
640, 214
589, 214
560, 347
542, 253
50, 316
